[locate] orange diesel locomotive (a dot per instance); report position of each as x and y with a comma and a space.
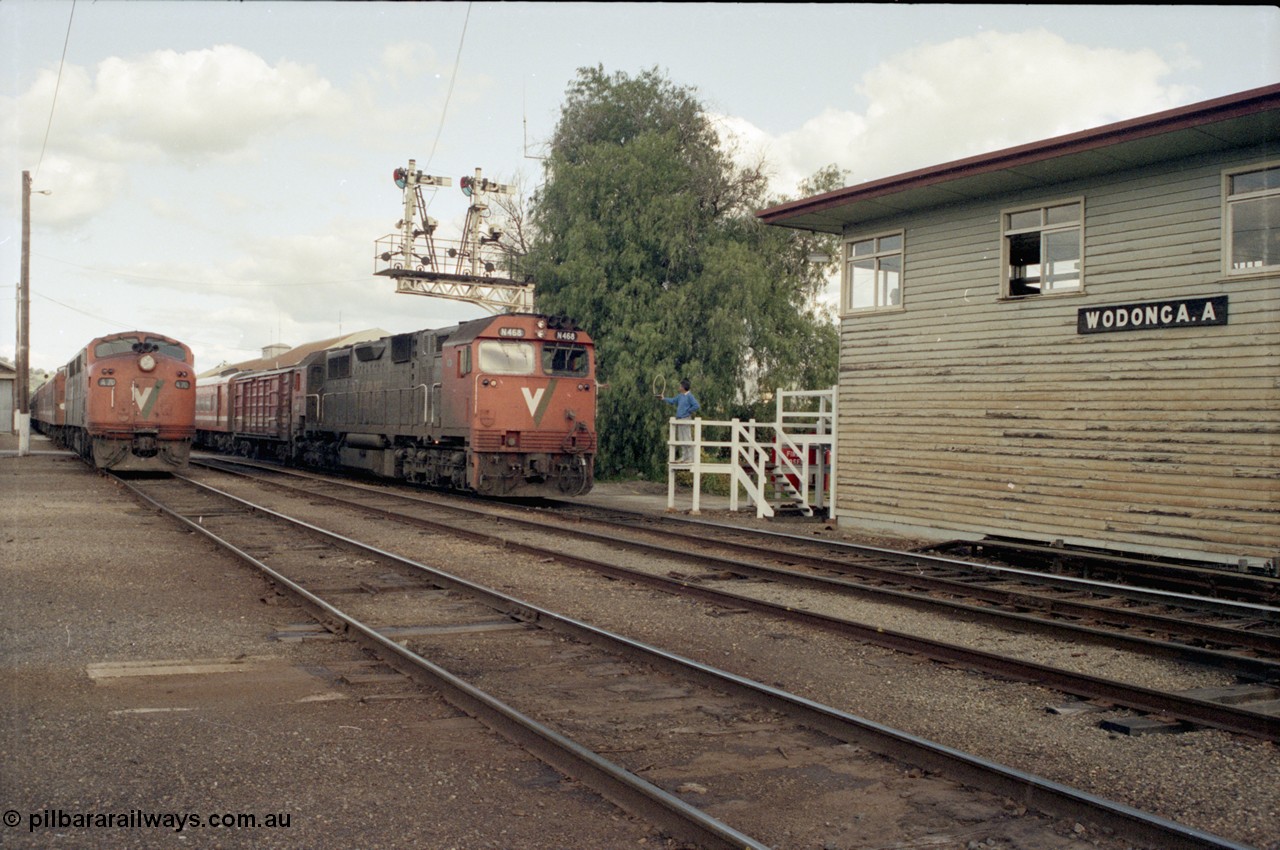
125, 402
501, 406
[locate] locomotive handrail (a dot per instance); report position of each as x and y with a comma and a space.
426, 402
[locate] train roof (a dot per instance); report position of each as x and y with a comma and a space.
121, 334
473, 329
294, 356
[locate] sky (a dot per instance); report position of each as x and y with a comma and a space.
219, 171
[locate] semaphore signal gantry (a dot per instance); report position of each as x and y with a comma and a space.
477, 269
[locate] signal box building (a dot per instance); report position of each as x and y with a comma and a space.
1076, 340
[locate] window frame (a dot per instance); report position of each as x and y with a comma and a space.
1006, 279
496, 357
1229, 202
847, 258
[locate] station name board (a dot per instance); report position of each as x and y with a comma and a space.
1155, 315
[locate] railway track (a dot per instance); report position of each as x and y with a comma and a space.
1255, 584
1035, 604
785, 768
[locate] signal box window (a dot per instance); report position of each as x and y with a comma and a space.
1253, 220
1043, 247
873, 273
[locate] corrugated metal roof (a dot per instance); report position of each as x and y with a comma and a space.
1250, 117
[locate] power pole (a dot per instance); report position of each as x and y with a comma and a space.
22, 384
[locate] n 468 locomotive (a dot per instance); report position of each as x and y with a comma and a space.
500, 406
125, 402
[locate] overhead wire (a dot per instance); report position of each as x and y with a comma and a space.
201, 284
453, 78
130, 327
56, 86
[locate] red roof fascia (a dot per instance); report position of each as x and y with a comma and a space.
1181, 118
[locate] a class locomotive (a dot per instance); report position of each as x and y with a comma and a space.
125, 402
500, 406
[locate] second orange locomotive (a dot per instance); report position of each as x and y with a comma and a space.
125, 402
500, 406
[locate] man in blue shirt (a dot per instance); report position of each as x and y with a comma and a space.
686, 406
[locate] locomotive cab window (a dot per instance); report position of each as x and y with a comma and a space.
565, 360
1252, 220
1043, 247
129, 344
402, 348
507, 358
340, 365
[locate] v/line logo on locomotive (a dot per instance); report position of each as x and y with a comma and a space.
501, 406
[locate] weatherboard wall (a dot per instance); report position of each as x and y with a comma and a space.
965, 415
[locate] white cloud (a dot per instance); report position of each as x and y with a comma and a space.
85, 187
971, 95
205, 101
170, 106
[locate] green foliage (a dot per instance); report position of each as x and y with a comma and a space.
645, 233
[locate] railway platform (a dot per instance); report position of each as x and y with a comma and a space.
150, 697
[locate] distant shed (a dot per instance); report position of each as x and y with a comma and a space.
8, 396
1075, 340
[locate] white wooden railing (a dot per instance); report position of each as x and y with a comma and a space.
791, 460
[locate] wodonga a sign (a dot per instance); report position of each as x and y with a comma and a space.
1154, 315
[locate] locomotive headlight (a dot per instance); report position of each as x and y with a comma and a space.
146, 363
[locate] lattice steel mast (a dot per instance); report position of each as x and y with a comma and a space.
476, 269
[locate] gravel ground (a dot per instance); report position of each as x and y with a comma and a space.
94, 585
285, 735
1221, 783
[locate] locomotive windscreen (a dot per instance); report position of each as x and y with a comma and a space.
507, 358
125, 344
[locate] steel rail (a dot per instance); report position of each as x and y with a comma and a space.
1192, 710
914, 559
1260, 668
939, 562
1028, 789
625, 789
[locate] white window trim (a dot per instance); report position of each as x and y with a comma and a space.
845, 308
1227, 270
1004, 248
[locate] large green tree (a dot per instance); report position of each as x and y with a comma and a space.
645, 233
